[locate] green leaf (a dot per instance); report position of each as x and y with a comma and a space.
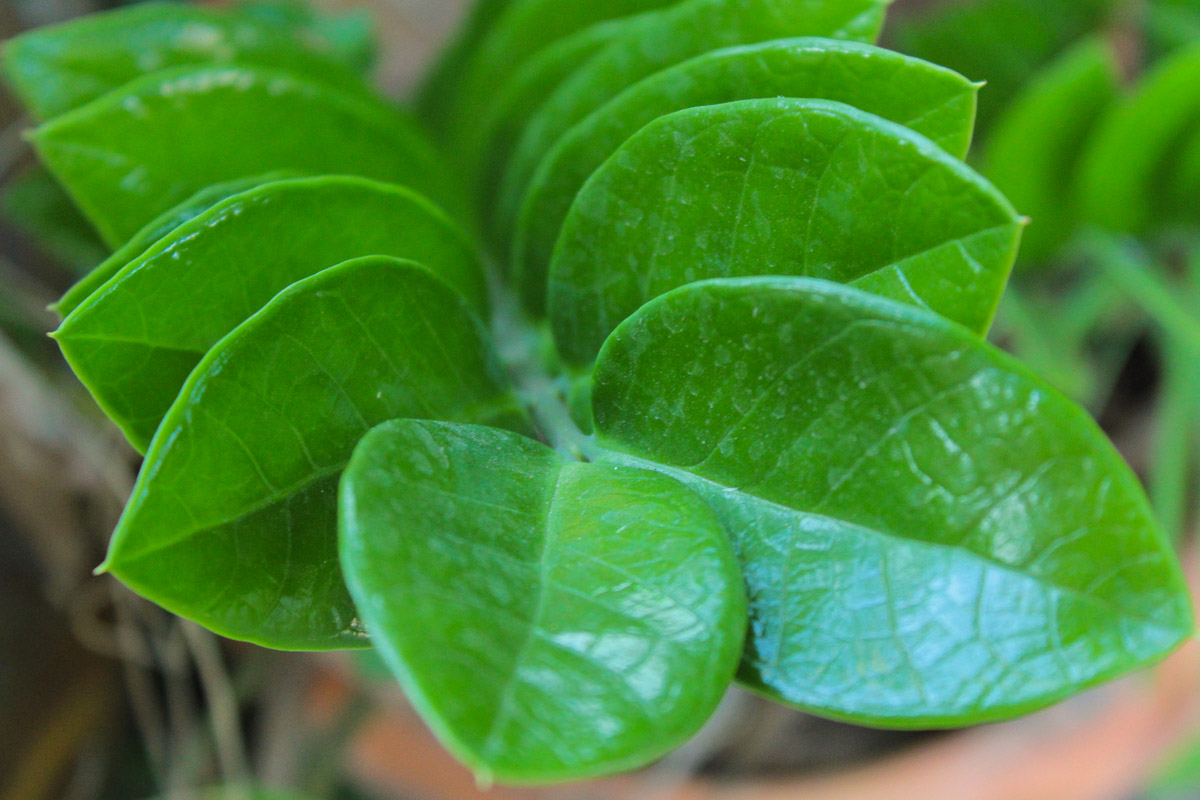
932, 101
347, 36
520, 29
784, 187
135, 153
1124, 172
232, 522
1183, 186
653, 42
551, 620
59, 68
438, 90
1033, 152
486, 148
1003, 42
931, 535
166, 222
135, 340
37, 205
1171, 24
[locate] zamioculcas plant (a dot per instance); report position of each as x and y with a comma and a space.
717, 405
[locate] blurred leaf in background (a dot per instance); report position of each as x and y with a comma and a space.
349, 35
39, 207
1001, 41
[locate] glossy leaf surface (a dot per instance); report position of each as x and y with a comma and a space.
166, 222
786, 187
1033, 153
135, 153
654, 42
137, 338
1124, 179
932, 101
232, 522
59, 68
931, 535
550, 620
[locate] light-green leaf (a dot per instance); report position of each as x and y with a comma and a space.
232, 522
931, 535
134, 341
932, 101
136, 152
551, 620
653, 42
784, 187
60, 68
1033, 153
1124, 173
166, 222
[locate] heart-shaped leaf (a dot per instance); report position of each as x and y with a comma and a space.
551, 620
135, 340
930, 100
653, 42
59, 68
232, 522
166, 222
1033, 153
136, 152
783, 186
931, 535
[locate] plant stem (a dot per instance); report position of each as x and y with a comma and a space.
1133, 272
522, 347
1173, 443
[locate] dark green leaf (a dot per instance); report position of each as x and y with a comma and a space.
38, 206
135, 153
166, 222
59, 68
1123, 177
1003, 42
486, 148
550, 620
931, 535
521, 29
785, 187
653, 42
1033, 153
233, 519
438, 90
932, 101
134, 341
